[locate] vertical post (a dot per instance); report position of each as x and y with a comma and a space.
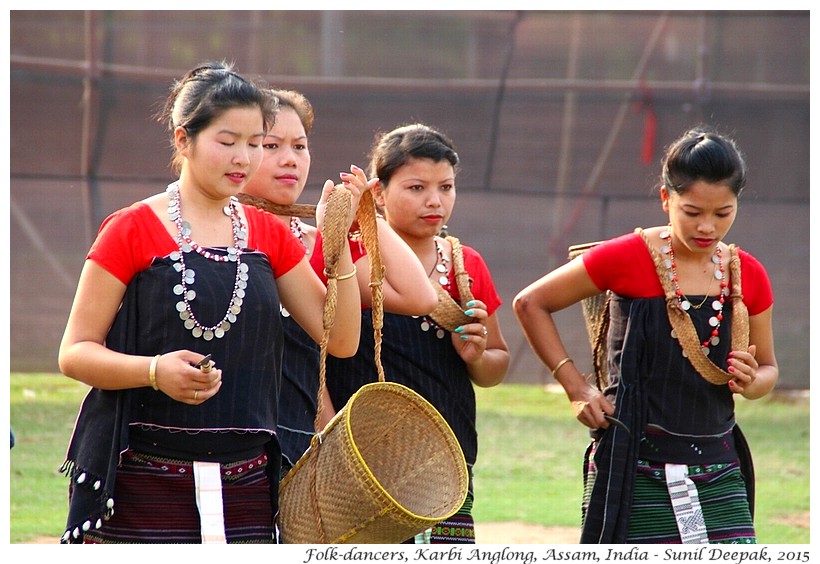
565, 155
332, 50
614, 131
90, 95
499, 98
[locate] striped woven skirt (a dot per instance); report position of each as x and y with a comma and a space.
458, 529
721, 491
156, 502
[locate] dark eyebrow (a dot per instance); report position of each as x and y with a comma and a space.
699, 208
236, 134
300, 138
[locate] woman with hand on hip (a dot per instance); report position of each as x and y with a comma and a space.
176, 327
690, 326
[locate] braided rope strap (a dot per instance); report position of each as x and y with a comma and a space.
334, 235
685, 329
366, 218
295, 210
448, 313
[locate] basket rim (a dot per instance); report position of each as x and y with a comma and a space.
429, 408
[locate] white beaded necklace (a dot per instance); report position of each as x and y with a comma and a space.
299, 232
684, 302
186, 245
441, 268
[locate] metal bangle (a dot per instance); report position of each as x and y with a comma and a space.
351, 274
560, 364
152, 372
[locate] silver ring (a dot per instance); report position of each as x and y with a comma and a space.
484, 332
195, 393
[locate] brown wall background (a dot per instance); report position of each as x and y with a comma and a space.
550, 111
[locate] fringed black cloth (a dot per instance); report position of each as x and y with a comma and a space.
147, 324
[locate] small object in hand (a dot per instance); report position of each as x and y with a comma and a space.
618, 423
205, 364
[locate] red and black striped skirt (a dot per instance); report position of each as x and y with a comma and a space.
156, 502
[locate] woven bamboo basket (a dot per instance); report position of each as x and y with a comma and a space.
387, 466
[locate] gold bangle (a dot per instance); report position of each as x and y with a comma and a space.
560, 364
152, 372
351, 274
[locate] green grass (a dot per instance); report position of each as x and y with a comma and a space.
529, 466
528, 470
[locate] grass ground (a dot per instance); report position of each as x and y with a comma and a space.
528, 470
531, 448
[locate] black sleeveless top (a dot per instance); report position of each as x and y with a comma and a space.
678, 399
242, 414
300, 389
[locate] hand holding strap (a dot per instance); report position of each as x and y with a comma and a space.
448, 313
685, 329
334, 235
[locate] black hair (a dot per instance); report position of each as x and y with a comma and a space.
394, 149
207, 91
299, 104
702, 154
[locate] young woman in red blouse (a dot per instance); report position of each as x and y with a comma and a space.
176, 327
416, 166
675, 468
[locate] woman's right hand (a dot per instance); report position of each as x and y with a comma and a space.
178, 377
356, 181
590, 406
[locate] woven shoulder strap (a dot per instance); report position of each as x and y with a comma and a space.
334, 235
448, 313
366, 218
295, 210
685, 329
334, 238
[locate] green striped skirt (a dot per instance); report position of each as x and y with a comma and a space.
721, 491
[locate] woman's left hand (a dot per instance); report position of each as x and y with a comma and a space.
743, 366
470, 339
354, 182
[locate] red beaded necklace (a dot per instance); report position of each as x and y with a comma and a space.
684, 302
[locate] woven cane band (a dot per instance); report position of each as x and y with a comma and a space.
295, 210
448, 313
685, 329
